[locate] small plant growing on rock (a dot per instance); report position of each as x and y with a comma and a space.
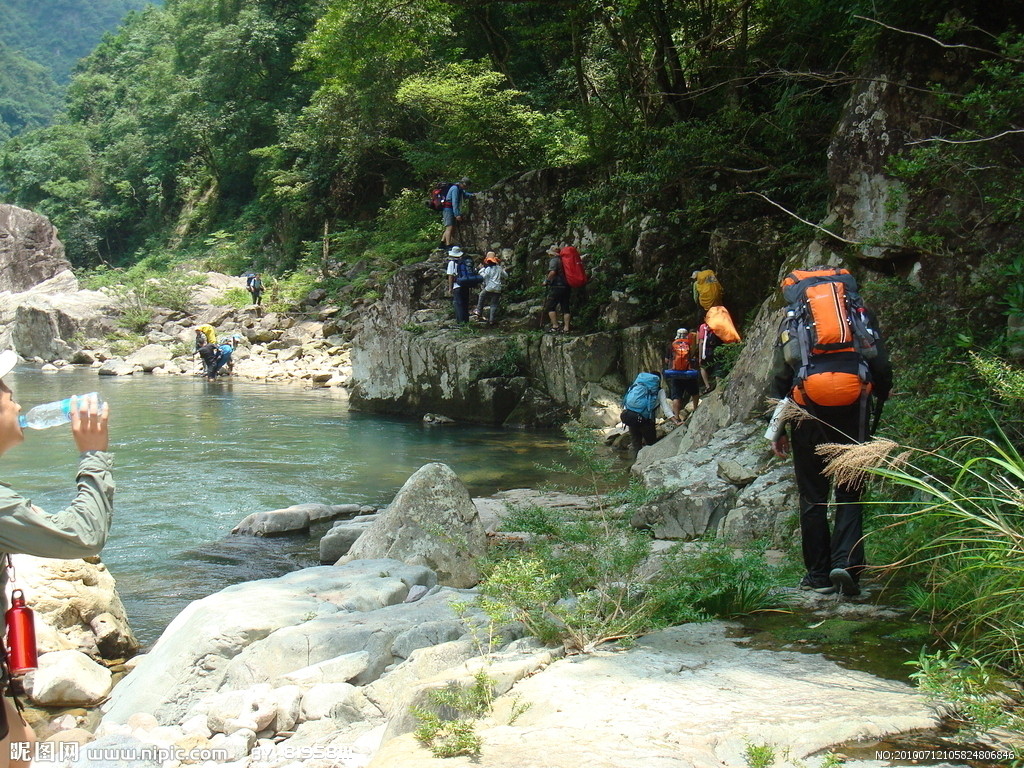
448, 725
759, 755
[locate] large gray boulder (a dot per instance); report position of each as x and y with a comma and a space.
149, 357
30, 252
264, 630
337, 542
76, 605
431, 522
697, 496
69, 679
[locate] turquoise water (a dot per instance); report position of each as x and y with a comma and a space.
192, 458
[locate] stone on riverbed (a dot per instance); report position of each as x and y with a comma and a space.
69, 679
115, 366
149, 357
339, 540
293, 519
431, 522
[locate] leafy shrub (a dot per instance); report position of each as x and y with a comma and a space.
584, 578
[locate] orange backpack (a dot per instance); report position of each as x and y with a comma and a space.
720, 321
682, 350
826, 338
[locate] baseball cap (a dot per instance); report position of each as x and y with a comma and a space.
8, 359
681, 332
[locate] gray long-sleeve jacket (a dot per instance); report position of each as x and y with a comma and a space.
78, 531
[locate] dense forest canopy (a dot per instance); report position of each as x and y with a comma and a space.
269, 123
40, 43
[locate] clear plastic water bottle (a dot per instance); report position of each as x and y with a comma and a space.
55, 413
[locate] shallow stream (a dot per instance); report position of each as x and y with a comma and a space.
192, 458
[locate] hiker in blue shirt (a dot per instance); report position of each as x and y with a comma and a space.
452, 211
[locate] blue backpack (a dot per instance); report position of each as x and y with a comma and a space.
642, 396
465, 275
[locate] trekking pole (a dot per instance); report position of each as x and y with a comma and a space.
879, 404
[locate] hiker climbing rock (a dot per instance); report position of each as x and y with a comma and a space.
707, 343
831, 361
707, 290
254, 284
565, 272
681, 371
640, 404
493, 274
461, 277
451, 211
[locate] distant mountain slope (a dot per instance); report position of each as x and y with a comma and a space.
40, 42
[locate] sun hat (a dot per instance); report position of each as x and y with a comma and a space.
554, 250
455, 252
8, 359
680, 332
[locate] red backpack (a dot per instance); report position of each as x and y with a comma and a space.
439, 196
572, 267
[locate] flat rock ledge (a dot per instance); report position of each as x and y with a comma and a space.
685, 697
294, 519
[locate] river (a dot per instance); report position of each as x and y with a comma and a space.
192, 458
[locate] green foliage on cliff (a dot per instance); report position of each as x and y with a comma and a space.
267, 120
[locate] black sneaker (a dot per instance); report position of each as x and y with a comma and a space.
807, 585
843, 582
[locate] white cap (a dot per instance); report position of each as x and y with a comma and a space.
455, 252
680, 332
8, 359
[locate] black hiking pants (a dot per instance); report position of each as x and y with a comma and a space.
840, 547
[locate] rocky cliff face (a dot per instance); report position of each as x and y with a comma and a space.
408, 358
42, 308
30, 252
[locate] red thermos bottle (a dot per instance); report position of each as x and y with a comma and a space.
21, 636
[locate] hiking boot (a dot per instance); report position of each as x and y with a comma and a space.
843, 582
809, 585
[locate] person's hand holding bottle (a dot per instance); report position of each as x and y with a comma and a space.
89, 424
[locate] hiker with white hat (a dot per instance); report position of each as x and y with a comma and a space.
462, 276
78, 531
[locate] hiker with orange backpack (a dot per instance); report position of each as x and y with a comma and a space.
831, 361
565, 272
681, 372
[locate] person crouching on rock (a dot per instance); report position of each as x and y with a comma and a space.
78, 531
211, 355
640, 405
